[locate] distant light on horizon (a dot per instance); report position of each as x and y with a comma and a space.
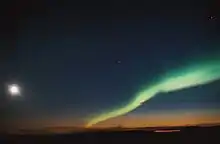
166, 131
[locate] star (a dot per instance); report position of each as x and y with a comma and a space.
212, 17
118, 62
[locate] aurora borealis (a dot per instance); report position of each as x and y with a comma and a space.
82, 65
189, 76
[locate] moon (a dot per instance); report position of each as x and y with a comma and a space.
14, 90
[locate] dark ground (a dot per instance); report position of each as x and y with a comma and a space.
187, 135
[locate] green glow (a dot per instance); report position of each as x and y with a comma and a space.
191, 76
136, 102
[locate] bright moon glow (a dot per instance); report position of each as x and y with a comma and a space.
14, 90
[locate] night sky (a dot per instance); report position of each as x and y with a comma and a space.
74, 61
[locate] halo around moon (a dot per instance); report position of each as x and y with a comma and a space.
14, 90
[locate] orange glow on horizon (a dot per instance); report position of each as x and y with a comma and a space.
161, 120
129, 121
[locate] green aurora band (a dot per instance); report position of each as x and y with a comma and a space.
191, 76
